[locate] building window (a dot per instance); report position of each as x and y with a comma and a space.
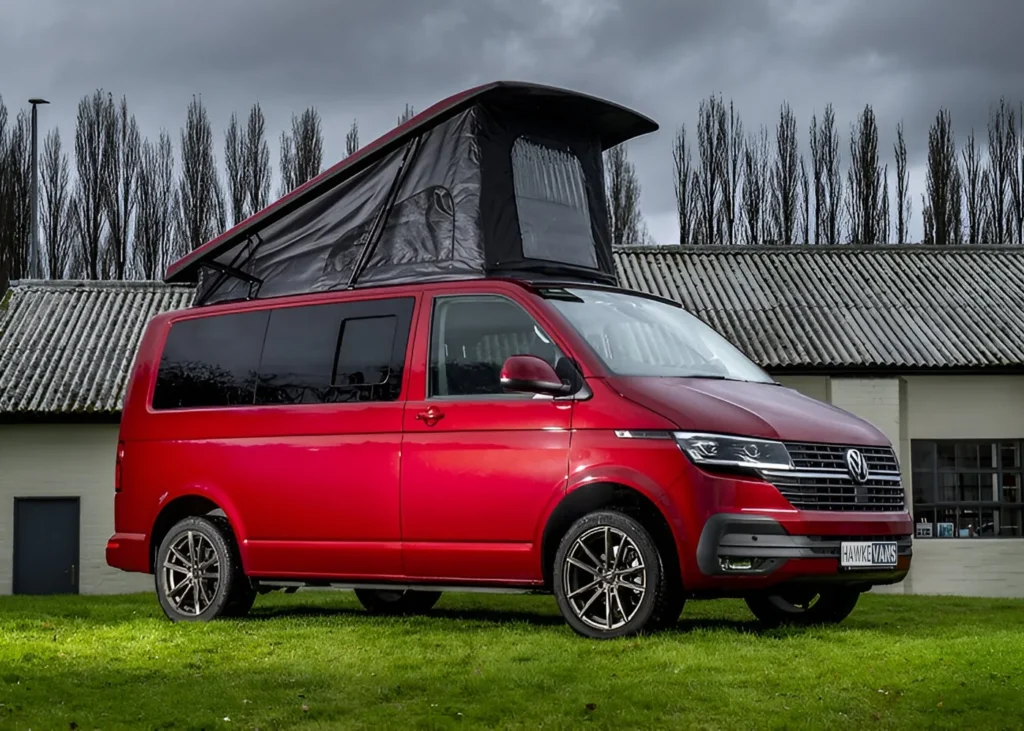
967, 489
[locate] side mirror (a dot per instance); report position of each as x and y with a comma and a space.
530, 374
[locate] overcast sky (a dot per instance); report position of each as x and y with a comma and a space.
366, 59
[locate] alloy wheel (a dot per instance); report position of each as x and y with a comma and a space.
605, 578
191, 573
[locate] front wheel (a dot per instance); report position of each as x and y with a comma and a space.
804, 607
398, 601
609, 579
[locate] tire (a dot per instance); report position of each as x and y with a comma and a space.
188, 590
667, 613
804, 608
635, 600
397, 602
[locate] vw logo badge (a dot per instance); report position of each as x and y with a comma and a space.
857, 466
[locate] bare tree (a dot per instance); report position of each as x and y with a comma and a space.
6, 253
785, 178
988, 219
731, 172
805, 199
756, 188
123, 149
15, 194
235, 167
1002, 158
406, 115
684, 182
833, 177
93, 164
302, 150
623, 192
943, 183
352, 138
256, 151
818, 175
902, 187
712, 139
928, 221
973, 190
956, 206
56, 206
883, 227
865, 180
1017, 175
200, 199
154, 220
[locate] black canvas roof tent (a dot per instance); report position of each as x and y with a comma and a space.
504, 179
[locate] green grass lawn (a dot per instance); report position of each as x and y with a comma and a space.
316, 660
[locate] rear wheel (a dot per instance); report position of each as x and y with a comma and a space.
398, 601
804, 607
609, 579
199, 573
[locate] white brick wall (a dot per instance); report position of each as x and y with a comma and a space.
47, 460
965, 567
875, 399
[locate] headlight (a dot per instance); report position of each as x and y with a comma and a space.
724, 451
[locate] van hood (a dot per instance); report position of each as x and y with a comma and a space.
762, 410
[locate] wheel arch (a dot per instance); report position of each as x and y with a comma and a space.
604, 495
185, 506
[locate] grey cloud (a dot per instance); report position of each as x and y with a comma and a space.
367, 59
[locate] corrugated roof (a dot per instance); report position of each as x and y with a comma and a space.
67, 347
886, 307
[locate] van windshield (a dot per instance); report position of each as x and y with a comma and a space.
637, 336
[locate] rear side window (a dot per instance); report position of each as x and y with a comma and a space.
335, 353
311, 354
211, 361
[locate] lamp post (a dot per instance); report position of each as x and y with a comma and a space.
35, 255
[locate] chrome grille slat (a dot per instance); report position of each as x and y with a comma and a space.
820, 480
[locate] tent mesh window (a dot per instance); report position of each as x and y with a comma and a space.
551, 200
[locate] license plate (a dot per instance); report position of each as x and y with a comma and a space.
867, 554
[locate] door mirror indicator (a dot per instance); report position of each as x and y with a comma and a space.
530, 374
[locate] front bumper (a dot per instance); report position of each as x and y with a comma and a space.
777, 554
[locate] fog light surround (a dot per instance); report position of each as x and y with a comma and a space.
734, 565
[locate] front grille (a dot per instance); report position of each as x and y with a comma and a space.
819, 479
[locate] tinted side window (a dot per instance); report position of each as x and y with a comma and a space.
211, 361
335, 353
472, 337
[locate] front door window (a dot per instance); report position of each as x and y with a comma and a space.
471, 339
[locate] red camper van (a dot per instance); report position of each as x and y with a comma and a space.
416, 374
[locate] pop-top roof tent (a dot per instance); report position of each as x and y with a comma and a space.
505, 179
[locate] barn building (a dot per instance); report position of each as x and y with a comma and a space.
926, 343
